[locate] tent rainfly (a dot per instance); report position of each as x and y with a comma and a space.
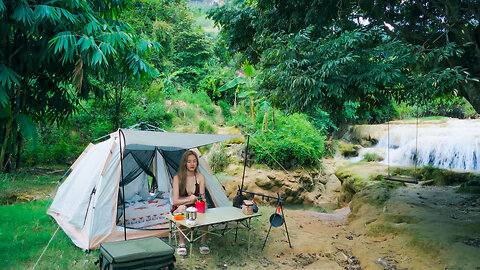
119, 188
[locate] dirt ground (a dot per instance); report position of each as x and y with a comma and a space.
418, 228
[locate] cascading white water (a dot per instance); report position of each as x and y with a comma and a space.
449, 144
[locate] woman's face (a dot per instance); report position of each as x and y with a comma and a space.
191, 163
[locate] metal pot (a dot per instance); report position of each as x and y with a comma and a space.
276, 220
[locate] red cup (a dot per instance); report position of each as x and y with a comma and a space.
200, 207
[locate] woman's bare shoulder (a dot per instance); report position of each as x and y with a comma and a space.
200, 176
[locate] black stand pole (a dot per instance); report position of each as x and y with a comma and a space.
266, 238
279, 204
285, 223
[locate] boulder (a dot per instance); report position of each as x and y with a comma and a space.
348, 150
333, 185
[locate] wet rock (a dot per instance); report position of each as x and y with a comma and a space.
474, 242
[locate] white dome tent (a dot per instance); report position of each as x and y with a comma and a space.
89, 205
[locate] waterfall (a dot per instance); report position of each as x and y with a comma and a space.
446, 143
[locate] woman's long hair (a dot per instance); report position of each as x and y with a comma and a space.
182, 171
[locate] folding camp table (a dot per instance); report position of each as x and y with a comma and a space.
212, 216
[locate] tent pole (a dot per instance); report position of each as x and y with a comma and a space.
120, 133
245, 162
56, 187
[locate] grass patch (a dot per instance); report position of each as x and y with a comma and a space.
473, 228
13, 186
424, 245
383, 229
306, 207
371, 157
400, 219
25, 231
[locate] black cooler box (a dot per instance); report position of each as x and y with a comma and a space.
146, 253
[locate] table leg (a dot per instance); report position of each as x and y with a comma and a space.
170, 233
248, 228
192, 234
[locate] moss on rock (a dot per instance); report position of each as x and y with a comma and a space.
348, 150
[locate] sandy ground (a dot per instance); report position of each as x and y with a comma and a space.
427, 228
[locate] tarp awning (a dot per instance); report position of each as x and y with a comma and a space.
149, 140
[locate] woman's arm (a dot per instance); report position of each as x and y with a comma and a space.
181, 200
201, 181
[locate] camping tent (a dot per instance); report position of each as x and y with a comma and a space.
119, 188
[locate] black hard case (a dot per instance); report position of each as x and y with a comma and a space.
146, 253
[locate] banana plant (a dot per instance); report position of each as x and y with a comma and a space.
248, 81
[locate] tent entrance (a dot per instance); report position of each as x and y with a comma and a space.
147, 187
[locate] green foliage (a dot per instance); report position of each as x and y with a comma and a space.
471, 186
205, 127
55, 146
371, 157
225, 108
241, 119
50, 51
420, 24
295, 142
218, 159
316, 57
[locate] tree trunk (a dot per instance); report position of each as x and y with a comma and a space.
252, 110
472, 91
6, 141
273, 119
19, 150
266, 120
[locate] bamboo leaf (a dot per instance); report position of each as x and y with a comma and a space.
23, 13
8, 77
2, 6
46, 12
107, 49
6, 111
85, 43
68, 15
3, 96
27, 127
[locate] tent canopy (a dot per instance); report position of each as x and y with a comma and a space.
166, 141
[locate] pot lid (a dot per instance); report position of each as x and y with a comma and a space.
191, 209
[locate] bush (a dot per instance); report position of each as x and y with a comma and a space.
241, 120
54, 146
218, 159
225, 107
371, 157
205, 127
294, 142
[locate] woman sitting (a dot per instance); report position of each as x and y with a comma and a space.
188, 184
